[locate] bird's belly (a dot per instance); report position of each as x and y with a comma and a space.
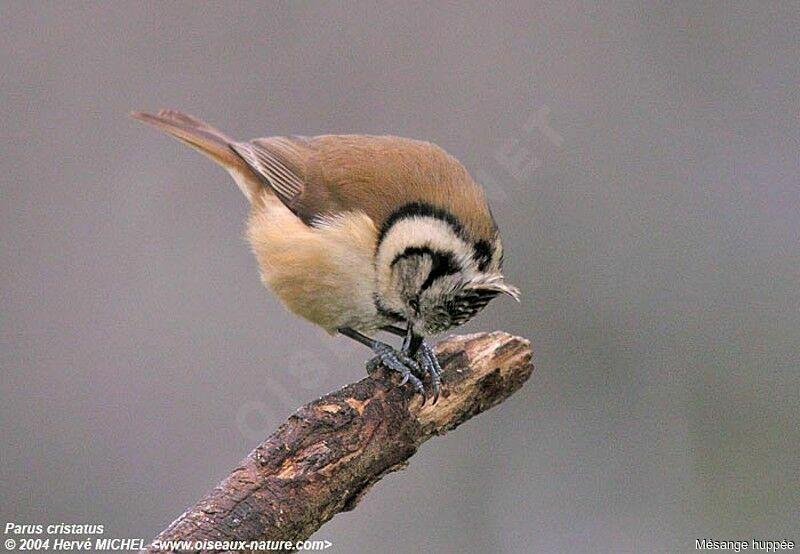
324, 274
331, 300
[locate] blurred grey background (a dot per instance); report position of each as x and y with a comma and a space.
642, 161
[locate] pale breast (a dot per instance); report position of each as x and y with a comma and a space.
324, 273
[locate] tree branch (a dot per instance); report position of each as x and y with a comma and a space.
330, 452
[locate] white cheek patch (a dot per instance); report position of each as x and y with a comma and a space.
417, 231
422, 231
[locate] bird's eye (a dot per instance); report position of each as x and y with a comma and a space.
414, 303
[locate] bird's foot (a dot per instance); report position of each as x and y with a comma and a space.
397, 361
429, 365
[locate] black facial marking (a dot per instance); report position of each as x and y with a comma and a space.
442, 263
412, 251
482, 252
482, 249
421, 209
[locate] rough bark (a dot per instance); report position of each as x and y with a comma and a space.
329, 453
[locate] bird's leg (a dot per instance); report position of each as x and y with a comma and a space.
426, 358
415, 346
395, 330
418, 348
389, 357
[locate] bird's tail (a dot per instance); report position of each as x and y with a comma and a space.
209, 141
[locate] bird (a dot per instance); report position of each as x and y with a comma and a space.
361, 234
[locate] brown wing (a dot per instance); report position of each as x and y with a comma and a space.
330, 174
280, 162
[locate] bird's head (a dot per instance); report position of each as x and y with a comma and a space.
433, 276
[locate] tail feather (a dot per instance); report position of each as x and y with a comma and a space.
206, 139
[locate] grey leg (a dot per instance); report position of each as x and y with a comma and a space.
389, 357
428, 362
418, 348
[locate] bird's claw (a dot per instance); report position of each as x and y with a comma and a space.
399, 362
412, 370
426, 360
